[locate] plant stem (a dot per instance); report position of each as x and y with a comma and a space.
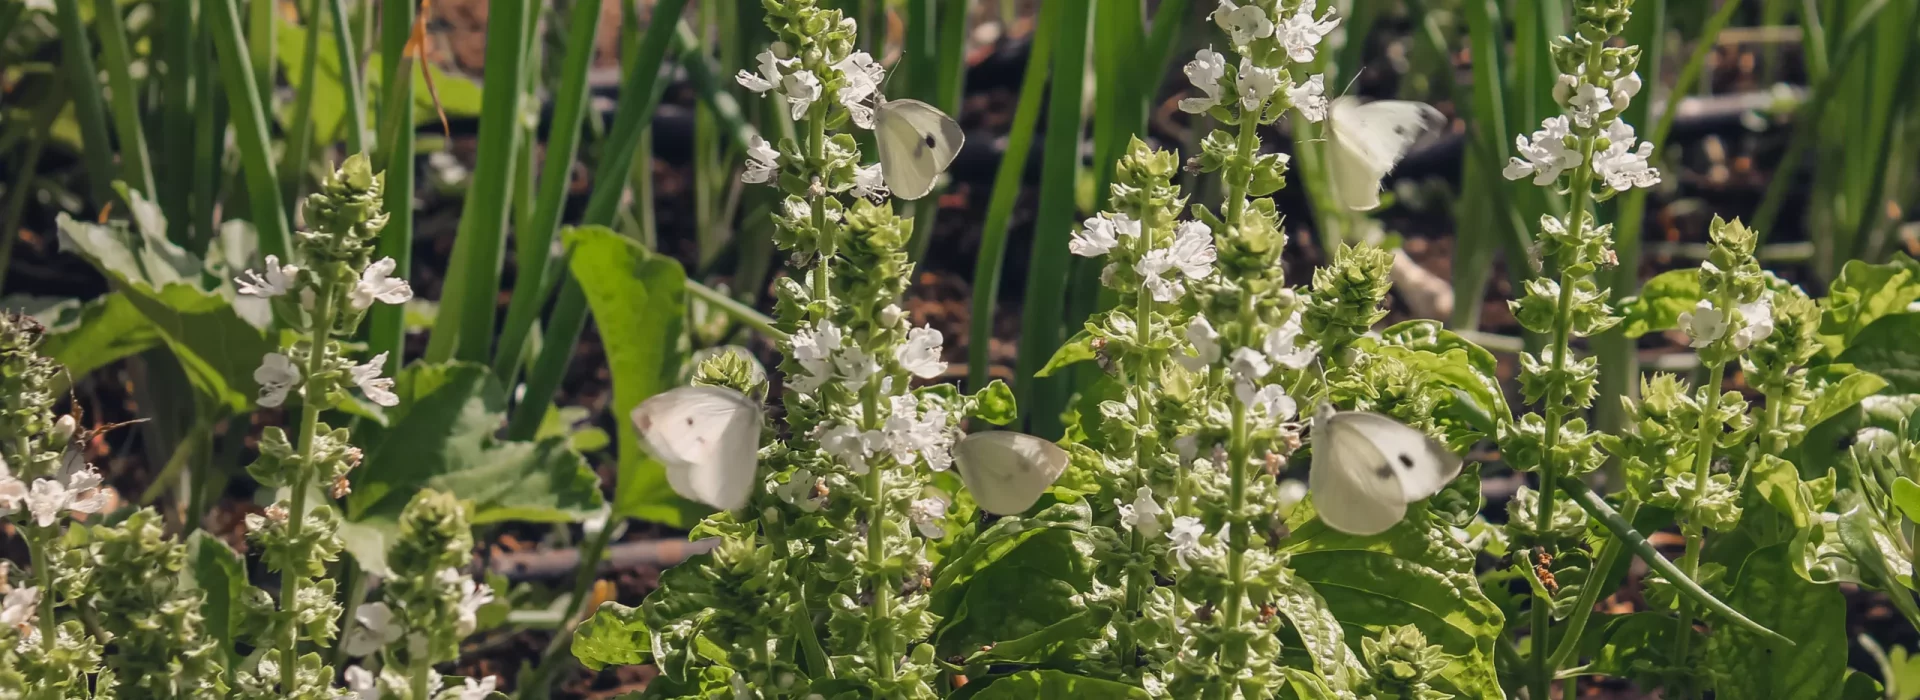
1238, 446
1705, 437
1542, 677
43, 573
310, 405
584, 575
882, 586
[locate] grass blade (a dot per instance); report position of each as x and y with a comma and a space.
250, 128
639, 94
293, 161
480, 247
1806, 121
350, 78
262, 47
945, 68
135, 164
182, 98
1041, 329
534, 242
77, 64
1007, 183
387, 323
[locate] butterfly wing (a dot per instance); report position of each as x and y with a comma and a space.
1365, 141
1007, 471
709, 440
917, 142
1422, 464
1352, 491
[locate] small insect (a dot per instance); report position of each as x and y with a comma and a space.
1543, 573
341, 487
1273, 463
1205, 613
1267, 611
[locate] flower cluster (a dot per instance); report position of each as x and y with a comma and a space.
428, 601
324, 294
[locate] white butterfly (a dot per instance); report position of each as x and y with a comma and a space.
1007, 471
1368, 467
917, 142
708, 438
1365, 141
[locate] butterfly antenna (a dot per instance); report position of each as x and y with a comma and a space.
1350, 81
416, 49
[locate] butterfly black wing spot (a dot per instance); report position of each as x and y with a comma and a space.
1385, 471
689, 421
1406, 461
929, 140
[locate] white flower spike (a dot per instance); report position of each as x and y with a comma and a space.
1204, 71
378, 284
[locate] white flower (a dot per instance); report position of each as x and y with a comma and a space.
1546, 153
1300, 33
377, 284
1270, 400
850, 444
929, 514
276, 376
362, 683
1622, 165
814, 348
1310, 97
1257, 84
802, 89
1143, 514
1185, 535
278, 280
1757, 320
799, 490
1588, 102
1101, 233
377, 388
1204, 71
855, 366
920, 355
769, 73
1188, 447
473, 596
762, 161
1292, 492
1284, 347
19, 606
81, 494
13, 491
863, 78
1624, 88
373, 628
1704, 324
870, 181
1250, 364
1243, 24
909, 432
1151, 267
472, 689
1192, 252
1206, 345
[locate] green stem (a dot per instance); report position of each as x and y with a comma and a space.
759, 322
1137, 573
310, 405
421, 677
43, 574
1541, 633
1590, 592
817, 143
882, 585
1238, 447
1706, 434
584, 574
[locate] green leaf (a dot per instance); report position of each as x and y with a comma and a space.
1861, 686
1320, 634
1813, 615
1414, 573
219, 573
1887, 348
86, 337
614, 636
1906, 497
1838, 387
1049, 684
994, 404
1862, 294
1021, 594
1077, 349
1627, 646
217, 348
1660, 302
459, 96
639, 303
1053, 642
441, 436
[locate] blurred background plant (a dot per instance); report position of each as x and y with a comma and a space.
192, 128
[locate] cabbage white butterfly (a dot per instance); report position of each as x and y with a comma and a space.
917, 142
1007, 471
1365, 141
709, 439
1368, 467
